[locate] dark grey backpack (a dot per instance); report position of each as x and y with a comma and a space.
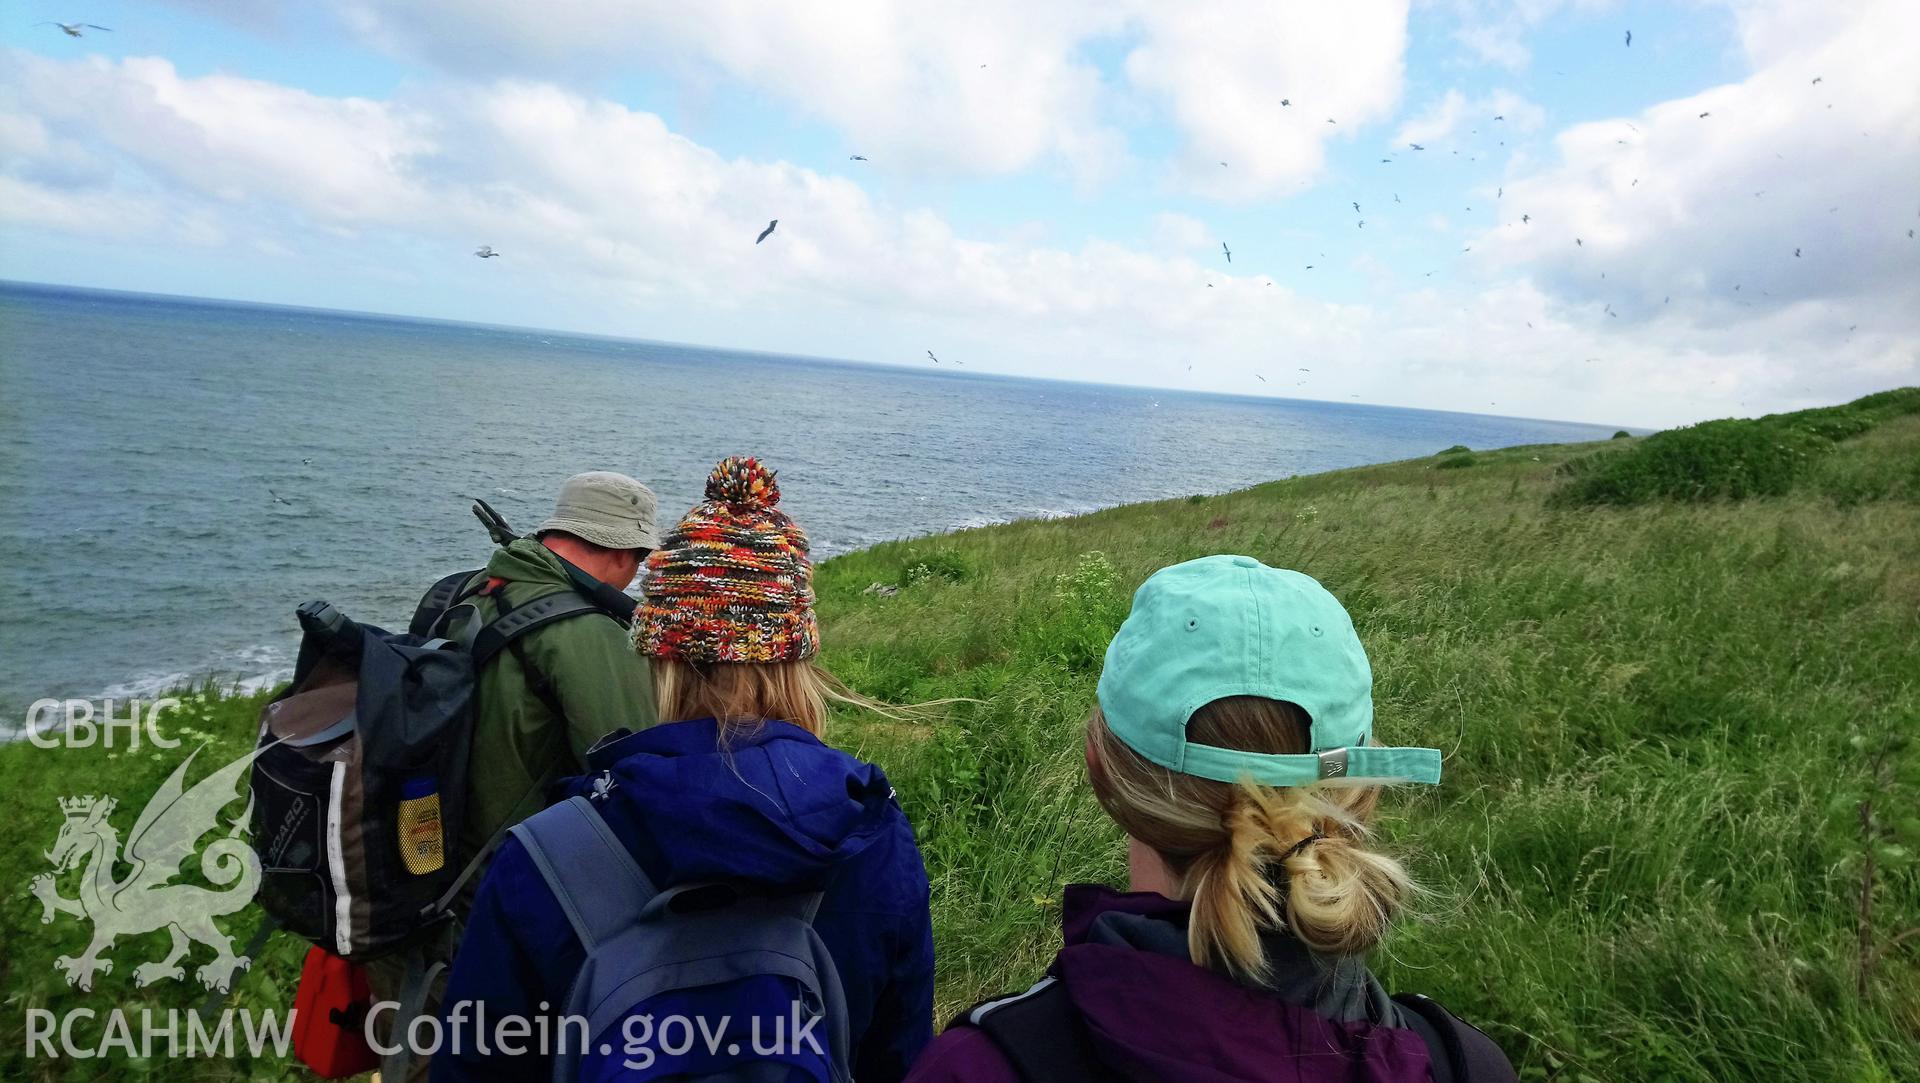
756, 996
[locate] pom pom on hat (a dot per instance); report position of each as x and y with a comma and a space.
742, 480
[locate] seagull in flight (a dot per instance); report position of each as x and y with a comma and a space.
1629, 39
1816, 80
1416, 146
77, 30
1229, 251
270, 492
935, 359
765, 233
856, 158
1287, 101
1525, 218
1706, 114
485, 251
1356, 208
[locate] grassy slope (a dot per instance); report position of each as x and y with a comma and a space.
1634, 873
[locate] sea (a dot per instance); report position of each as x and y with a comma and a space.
176, 474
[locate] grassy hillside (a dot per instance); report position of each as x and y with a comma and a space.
1674, 728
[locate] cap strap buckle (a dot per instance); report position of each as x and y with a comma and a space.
1333, 763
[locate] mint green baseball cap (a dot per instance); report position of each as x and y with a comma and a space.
1231, 626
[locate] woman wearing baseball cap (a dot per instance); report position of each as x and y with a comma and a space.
1233, 744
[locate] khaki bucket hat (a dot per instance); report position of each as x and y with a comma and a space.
610, 510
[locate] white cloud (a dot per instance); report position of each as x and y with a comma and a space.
988, 88
1804, 208
1224, 68
982, 89
223, 136
1496, 31
1444, 116
1183, 234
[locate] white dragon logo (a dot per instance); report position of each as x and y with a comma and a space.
163, 837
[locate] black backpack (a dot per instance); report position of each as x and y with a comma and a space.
360, 785
1044, 1039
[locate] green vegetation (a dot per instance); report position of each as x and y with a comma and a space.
1678, 807
1730, 459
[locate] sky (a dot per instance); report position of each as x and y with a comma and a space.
1496, 207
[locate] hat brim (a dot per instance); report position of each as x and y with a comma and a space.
602, 535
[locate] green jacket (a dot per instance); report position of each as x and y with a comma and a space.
600, 682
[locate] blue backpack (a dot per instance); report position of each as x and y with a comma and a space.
701, 981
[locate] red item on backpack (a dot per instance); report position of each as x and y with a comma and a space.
329, 1017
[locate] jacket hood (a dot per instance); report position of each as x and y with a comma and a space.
525, 560
1152, 1014
776, 807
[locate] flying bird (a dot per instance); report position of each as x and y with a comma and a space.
1284, 101
1356, 208
270, 492
1499, 116
1796, 253
935, 359
1223, 165
1229, 251
1260, 378
76, 30
485, 251
1525, 218
765, 233
1396, 197
1707, 114
1579, 242
856, 158
1416, 146
1329, 120
1629, 39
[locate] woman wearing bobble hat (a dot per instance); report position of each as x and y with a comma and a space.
1233, 744
735, 787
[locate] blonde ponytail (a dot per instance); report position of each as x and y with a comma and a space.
1254, 858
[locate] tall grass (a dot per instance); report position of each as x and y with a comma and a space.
1648, 713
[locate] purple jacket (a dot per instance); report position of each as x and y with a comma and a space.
1151, 1014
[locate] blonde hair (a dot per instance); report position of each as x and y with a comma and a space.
742, 696
1228, 843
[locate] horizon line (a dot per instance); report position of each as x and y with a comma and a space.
894, 365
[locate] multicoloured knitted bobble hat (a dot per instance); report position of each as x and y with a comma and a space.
731, 582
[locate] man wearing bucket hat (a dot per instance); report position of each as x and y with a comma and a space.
1233, 744
565, 678
554, 691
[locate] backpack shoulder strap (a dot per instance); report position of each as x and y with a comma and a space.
438, 599
1460, 1051
595, 880
514, 623
1039, 1033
